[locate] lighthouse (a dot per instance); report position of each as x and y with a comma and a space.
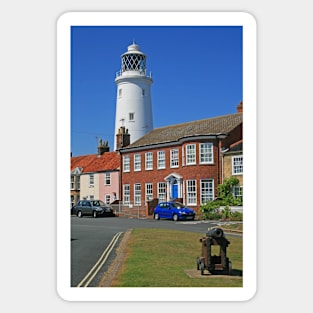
133, 98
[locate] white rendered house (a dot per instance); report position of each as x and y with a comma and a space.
133, 99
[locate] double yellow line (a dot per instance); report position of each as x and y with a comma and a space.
96, 268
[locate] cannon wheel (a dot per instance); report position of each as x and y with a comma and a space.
230, 268
202, 267
198, 263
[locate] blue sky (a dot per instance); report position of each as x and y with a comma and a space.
197, 74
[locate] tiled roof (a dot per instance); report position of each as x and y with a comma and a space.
211, 126
235, 147
108, 161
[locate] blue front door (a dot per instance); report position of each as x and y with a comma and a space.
175, 191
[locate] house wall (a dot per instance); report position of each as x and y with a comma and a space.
86, 190
235, 136
228, 168
112, 189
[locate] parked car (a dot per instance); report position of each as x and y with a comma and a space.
173, 210
92, 208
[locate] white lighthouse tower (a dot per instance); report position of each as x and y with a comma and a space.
133, 100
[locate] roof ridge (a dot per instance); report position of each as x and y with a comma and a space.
200, 120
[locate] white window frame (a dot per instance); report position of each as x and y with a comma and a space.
149, 191
107, 179
191, 191
137, 162
206, 153
137, 194
91, 180
237, 165
149, 161
162, 191
191, 156
161, 159
206, 191
174, 158
126, 163
107, 198
126, 194
72, 182
238, 192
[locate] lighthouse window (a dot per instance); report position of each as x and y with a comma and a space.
120, 92
131, 116
143, 92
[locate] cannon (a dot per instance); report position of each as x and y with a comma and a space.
214, 264
215, 233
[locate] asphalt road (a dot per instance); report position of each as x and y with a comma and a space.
90, 237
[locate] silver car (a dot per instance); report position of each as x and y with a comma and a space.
94, 208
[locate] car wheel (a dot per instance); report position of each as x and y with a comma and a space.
79, 214
94, 214
156, 216
175, 217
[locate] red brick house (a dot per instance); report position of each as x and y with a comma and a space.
182, 162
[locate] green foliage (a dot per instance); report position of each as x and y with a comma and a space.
226, 213
211, 210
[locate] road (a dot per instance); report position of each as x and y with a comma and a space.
91, 239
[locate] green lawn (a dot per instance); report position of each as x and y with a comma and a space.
159, 258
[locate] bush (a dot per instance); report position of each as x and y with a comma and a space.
211, 210
236, 216
226, 213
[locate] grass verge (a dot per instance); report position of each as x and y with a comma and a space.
159, 258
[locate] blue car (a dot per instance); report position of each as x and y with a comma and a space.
173, 210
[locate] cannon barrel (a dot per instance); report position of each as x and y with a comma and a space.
215, 233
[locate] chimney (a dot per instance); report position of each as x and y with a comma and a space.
239, 108
103, 147
122, 138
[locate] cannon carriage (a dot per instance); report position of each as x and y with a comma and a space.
214, 264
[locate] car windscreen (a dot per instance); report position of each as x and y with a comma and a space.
178, 205
98, 203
